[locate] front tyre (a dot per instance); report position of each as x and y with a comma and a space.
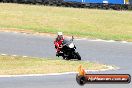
77, 56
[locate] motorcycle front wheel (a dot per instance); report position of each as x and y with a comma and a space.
77, 56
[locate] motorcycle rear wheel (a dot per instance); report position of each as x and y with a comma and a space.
65, 57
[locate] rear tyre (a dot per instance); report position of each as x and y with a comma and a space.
65, 57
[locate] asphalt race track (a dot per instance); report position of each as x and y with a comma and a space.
106, 52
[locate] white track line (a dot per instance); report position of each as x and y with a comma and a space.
14, 55
100, 40
3, 54
110, 41
24, 56
124, 42
81, 39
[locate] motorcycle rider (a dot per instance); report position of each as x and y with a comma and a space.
58, 43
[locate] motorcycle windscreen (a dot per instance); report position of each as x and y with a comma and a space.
66, 41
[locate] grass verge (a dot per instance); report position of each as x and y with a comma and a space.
16, 65
90, 23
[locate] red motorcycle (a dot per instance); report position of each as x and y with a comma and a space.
68, 50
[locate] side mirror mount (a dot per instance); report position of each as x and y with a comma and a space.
72, 38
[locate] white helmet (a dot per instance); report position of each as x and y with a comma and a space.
59, 33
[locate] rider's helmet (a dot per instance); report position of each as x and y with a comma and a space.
59, 33
59, 36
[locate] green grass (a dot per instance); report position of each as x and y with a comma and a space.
11, 65
90, 23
